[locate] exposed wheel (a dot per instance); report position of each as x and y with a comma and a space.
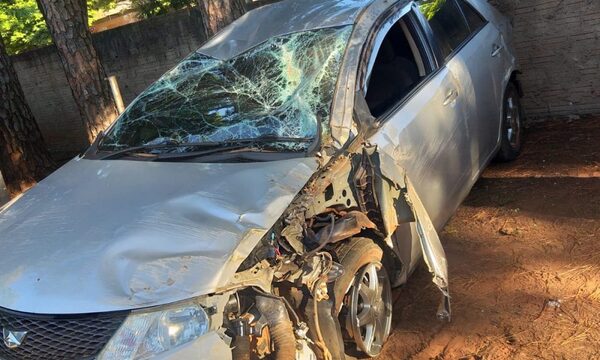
512, 125
366, 311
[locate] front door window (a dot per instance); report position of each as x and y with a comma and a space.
398, 68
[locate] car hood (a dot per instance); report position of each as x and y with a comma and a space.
100, 236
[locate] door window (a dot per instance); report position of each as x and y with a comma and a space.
474, 18
400, 65
447, 22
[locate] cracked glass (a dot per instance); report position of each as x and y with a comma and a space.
281, 88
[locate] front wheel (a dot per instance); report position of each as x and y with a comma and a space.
512, 125
366, 313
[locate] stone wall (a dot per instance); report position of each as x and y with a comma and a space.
558, 46
137, 54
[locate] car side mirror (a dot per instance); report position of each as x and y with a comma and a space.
367, 123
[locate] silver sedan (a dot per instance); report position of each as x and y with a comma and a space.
263, 197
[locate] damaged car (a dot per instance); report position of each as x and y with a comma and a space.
263, 197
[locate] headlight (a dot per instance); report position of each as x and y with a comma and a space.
147, 334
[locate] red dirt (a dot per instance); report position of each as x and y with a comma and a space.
524, 260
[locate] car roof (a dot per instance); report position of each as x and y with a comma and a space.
284, 17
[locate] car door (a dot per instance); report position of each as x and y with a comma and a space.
482, 56
422, 113
470, 47
452, 37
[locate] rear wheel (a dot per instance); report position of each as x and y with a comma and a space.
366, 311
512, 125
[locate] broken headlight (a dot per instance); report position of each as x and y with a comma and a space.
146, 334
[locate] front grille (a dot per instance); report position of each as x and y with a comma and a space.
59, 337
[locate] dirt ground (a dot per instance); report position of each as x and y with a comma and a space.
524, 260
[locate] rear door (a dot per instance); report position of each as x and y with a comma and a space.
461, 49
483, 58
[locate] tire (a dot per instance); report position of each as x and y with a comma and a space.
512, 125
362, 297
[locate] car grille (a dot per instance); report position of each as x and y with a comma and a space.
59, 337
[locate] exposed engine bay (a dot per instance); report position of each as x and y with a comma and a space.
319, 283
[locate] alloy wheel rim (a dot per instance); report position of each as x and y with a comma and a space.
513, 122
370, 308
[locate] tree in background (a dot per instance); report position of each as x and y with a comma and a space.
23, 27
67, 22
216, 14
24, 158
149, 8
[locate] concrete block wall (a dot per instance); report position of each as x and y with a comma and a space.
137, 54
558, 46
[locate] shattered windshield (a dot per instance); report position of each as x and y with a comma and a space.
281, 88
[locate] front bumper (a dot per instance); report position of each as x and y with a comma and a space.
208, 346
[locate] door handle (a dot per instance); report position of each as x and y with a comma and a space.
496, 50
450, 97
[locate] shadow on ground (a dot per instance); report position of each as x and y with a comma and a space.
524, 260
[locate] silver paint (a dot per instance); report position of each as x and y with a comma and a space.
280, 18
442, 146
100, 236
113, 235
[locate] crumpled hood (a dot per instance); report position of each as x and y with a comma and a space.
101, 236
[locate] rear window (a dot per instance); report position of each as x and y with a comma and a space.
474, 18
447, 22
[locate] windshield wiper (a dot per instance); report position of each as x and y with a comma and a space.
209, 147
242, 144
143, 149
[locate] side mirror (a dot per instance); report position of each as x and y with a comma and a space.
366, 122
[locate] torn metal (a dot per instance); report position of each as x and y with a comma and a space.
385, 193
270, 247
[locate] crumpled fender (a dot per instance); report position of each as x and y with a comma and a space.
433, 251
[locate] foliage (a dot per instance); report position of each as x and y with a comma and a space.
23, 27
97, 7
149, 8
431, 7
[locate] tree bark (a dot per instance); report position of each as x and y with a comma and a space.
24, 158
67, 22
216, 14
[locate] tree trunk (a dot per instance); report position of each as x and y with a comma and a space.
67, 22
24, 159
216, 14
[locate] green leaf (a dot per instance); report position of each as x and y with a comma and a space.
23, 27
